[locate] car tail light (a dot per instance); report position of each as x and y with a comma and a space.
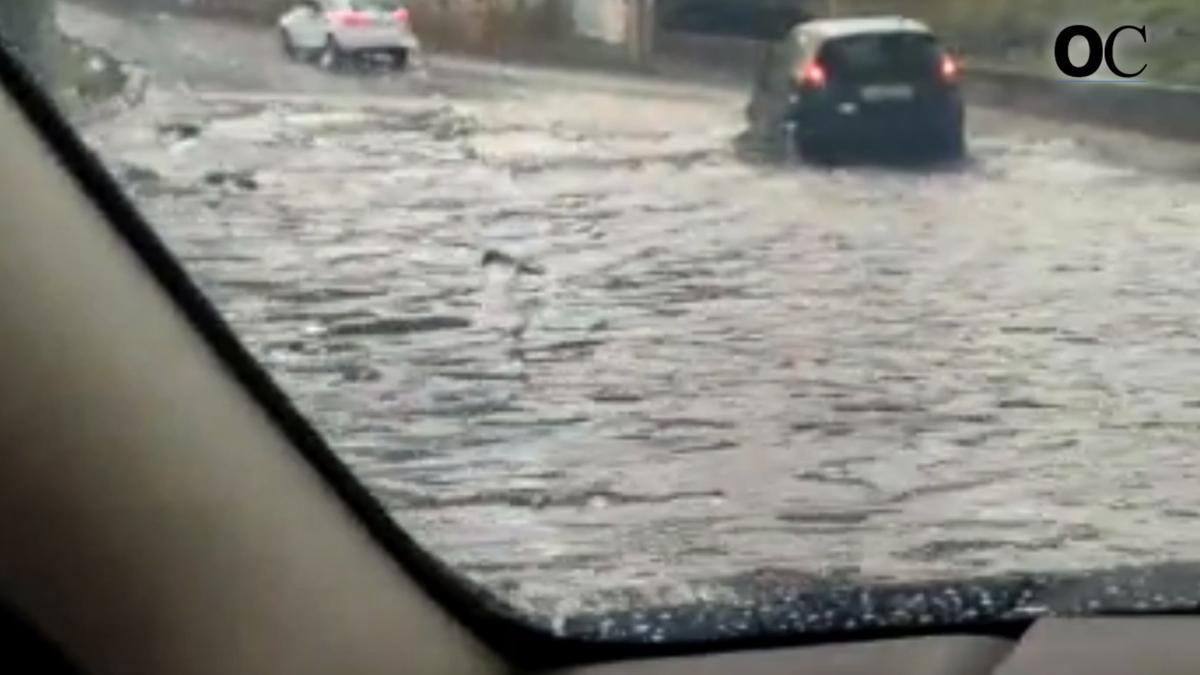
950, 68
401, 15
350, 18
812, 75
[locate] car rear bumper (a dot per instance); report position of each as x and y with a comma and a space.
852, 123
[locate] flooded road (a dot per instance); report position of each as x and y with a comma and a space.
701, 367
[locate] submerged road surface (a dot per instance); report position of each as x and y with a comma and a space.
705, 368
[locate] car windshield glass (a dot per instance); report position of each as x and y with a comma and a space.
884, 54
611, 325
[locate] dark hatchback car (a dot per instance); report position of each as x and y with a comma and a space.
881, 83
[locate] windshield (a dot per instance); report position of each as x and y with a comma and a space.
609, 323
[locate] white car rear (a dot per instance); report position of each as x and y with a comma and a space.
334, 30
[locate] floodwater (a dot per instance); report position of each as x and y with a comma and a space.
685, 367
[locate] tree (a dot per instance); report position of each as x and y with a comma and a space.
28, 27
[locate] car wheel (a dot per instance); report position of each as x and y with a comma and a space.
332, 57
400, 59
774, 140
945, 145
953, 146
816, 151
289, 47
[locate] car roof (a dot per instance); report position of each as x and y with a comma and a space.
827, 29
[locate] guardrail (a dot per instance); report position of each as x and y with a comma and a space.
1160, 110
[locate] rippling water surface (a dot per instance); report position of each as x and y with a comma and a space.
708, 367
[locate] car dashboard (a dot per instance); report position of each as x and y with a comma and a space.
1112, 646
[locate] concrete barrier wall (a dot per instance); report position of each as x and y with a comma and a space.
727, 57
603, 20
1167, 111
487, 27
572, 31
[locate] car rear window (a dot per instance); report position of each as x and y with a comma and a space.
882, 54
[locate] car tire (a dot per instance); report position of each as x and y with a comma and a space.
400, 59
332, 57
774, 141
815, 151
951, 145
289, 46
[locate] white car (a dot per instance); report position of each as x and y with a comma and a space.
332, 31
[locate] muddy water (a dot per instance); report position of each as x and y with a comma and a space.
703, 367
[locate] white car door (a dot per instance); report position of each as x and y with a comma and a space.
305, 24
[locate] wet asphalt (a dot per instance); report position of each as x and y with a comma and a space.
681, 366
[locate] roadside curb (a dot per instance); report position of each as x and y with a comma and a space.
1167, 111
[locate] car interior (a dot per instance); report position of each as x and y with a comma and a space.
169, 511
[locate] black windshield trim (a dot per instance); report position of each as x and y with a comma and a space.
23, 641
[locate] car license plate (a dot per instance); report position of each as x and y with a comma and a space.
887, 92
